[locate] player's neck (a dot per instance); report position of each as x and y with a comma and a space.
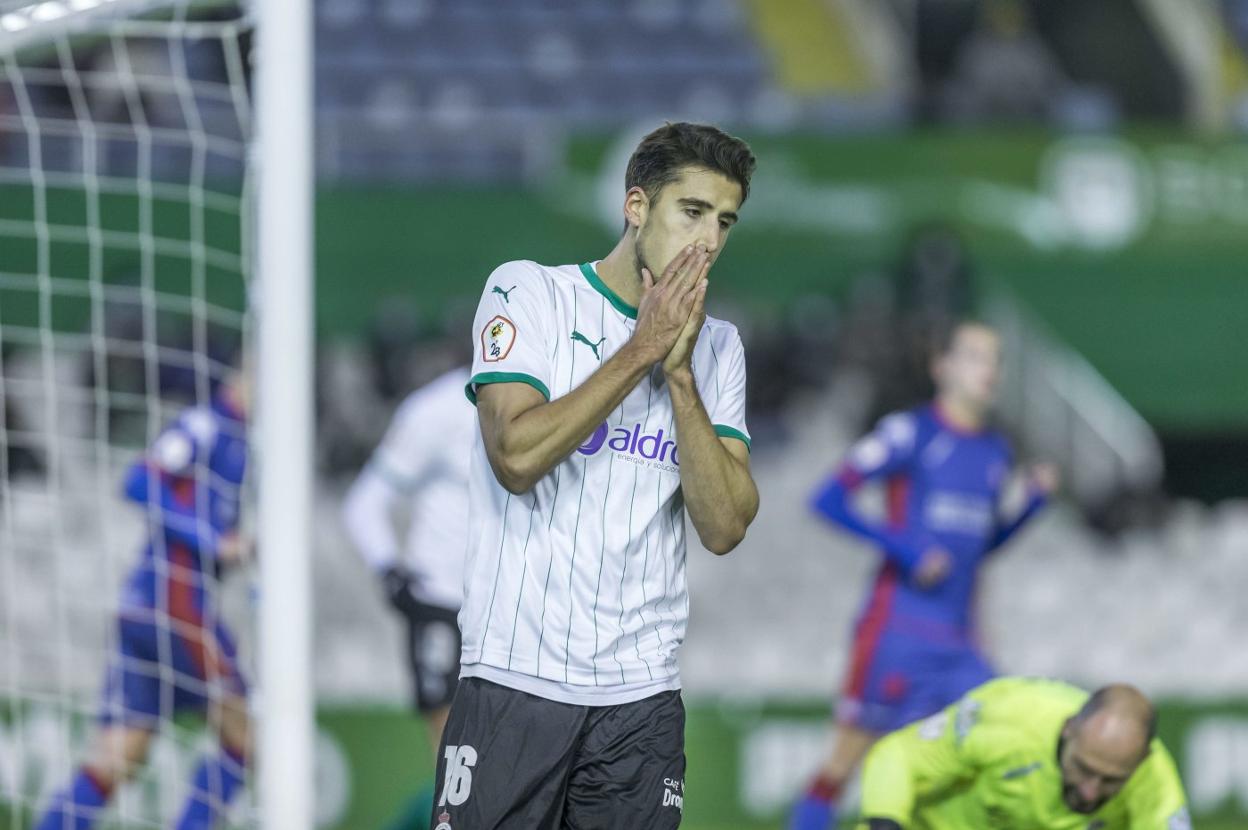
618, 270
960, 415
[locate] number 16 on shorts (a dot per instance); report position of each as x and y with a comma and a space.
458, 785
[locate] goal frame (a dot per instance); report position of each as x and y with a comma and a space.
281, 193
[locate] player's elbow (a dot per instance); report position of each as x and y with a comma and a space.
723, 546
829, 501
517, 485
135, 486
367, 500
723, 539
514, 473
516, 468
727, 530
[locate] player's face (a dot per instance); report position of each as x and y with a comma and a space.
699, 208
971, 369
1091, 776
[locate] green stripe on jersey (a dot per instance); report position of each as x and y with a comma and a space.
484, 378
728, 432
601, 287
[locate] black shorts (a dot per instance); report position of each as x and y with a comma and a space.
433, 643
515, 761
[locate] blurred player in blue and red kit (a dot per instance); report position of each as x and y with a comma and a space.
174, 652
915, 648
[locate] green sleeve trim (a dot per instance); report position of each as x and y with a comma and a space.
728, 432
502, 377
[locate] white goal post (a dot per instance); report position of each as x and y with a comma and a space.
285, 433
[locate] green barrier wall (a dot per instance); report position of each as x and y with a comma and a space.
745, 760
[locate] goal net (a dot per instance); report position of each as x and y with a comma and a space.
124, 280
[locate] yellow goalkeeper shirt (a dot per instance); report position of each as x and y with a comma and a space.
989, 762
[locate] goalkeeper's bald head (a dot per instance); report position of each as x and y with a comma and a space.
1103, 743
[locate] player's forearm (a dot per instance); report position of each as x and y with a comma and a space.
832, 502
719, 492
1004, 532
532, 443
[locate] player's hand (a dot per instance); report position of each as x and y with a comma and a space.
667, 303
1044, 478
933, 568
398, 581
680, 358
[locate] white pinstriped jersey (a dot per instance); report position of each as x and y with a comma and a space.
576, 589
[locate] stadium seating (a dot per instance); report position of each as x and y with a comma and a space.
493, 69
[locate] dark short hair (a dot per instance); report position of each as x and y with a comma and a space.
659, 157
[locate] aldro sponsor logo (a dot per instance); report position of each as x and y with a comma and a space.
674, 793
653, 449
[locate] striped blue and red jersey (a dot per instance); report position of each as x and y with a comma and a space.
189, 484
944, 489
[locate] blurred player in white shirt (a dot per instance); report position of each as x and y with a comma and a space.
422, 465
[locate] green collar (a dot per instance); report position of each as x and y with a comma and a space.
601, 287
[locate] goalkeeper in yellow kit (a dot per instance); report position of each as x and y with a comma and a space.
1020, 753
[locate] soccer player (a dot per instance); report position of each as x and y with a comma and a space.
423, 459
1024, 752
915, 648
174, 651
610, 407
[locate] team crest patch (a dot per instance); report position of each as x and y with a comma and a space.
497, 338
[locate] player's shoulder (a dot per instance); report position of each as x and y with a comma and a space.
902, 428
191, 433
1030, 699
200, 423
997, 436
526, 272
721, 333
1010, 717
1157, 774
